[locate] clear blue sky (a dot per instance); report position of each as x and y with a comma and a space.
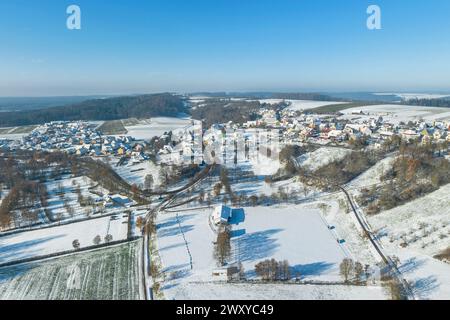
193, 45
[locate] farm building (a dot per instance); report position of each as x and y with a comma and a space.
121, 200
226, 274
225, 215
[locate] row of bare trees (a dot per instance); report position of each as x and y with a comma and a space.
222, 247
353, 272
272, 270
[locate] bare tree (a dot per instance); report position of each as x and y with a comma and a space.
76, 244
108, 238
59, 216
70, 210
254, 200
201, 197
148, 183
222, 250
60, 190
268, 270
359, 271
97, 240
346, 268
241, 271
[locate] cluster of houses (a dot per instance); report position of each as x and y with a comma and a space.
80, 138
187, 145
295, 126
287, 127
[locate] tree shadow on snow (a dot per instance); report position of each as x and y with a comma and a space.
173, 246
174, 231
410, 265
256, 246
425, 286
13, 252
22, 250
175, 273
310, 269
174, 222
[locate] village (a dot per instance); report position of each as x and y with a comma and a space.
76, 138
282, 126
221, 207
326, 129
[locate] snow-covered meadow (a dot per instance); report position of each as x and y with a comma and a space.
156, 127
226, 291
397, 113
57, 201
41, 242
298, 234
423, 224
409, 96
373, 175
136, 173
298, 105
414, 233
321, 157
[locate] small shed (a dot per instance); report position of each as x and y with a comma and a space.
226, 274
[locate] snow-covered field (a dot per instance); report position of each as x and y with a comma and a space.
398, 113
14, 137
68, 185
259, 187
136, 173
298, 234
409, 96
335, 211
157, 127
294, 233
30, 244
321, 157
429, 278
264, 166
15, 133
223, 291
297, 105
107, 274
373, 175
424, 225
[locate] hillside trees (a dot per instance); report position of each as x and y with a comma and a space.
143, 106
148, 183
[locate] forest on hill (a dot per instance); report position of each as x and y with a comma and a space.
142, 106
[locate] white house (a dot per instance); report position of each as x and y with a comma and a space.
221, 215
